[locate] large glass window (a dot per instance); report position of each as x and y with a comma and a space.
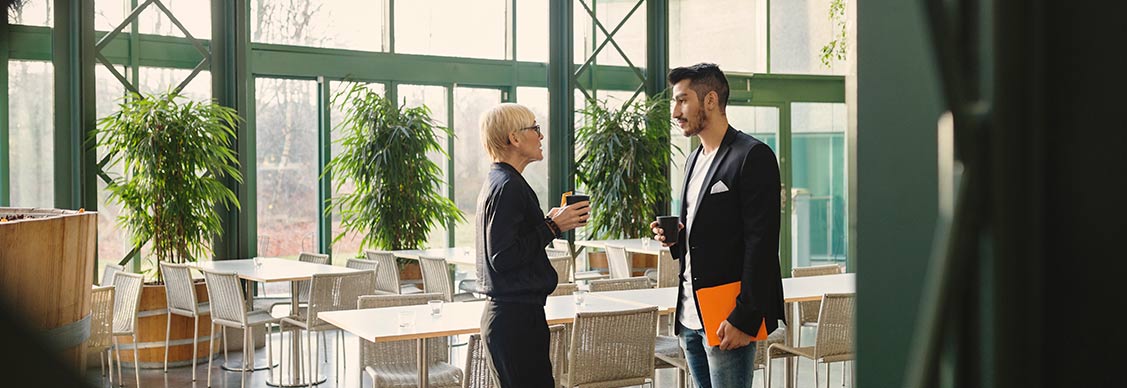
471, 162
347, 24
799, 29
286, 162
194, 15
434, 97
536, 173
819, 188
631, 37
31, 134
729, 33
349, 245
156, 80
455, 28
113, 240
532, 31
34, 13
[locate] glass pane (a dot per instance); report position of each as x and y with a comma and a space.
194, 15
454, 28
113, 242
819, 189
349, 245
434, 97
31, 134
760, 122
108, 14
471, 162
536, 173
161, 79
799, 29
34, 13
742, 21
532, 31
286, 161
347, 24
631, 38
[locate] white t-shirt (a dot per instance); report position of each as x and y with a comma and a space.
689, 318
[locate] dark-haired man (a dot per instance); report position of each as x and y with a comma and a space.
730, 232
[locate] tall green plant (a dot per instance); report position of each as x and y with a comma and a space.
625, 154
174, 156
384, 152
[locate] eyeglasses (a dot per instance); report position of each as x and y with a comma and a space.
534, 127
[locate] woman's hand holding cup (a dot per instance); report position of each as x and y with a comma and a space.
571, 216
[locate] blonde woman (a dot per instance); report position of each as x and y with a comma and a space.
512, 266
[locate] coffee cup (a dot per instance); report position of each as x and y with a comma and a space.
671, 226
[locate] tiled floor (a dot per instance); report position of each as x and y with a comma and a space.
182, 377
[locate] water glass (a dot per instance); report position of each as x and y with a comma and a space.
645, 243
435, 307
580, 297
406, 318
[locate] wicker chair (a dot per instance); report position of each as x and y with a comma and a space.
229, 309
101, 325
366, 265
564, 289
668, 354
436, 279
562, 265
479, 373
330, 292
634, 283
388, 280
269, 302
108, 272
612, 348
834, 341
808, 311
180, 296
776, 337
618, 261
395, 363
127, 300
667, 272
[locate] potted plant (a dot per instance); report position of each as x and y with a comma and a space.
174, 154
625, 152
395, 201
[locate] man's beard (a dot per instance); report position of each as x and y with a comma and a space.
695, 128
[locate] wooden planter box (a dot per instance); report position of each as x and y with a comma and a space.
151, 321
46, 273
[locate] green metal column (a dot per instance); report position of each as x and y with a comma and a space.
786, 175
561, 110
5, 175
657, 65
73, 58
324, 154
233, 87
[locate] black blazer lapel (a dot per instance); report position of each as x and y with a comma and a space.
721, 151
689, 163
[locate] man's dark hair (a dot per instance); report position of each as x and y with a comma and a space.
703, 78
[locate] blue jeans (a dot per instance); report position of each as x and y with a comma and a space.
712, 367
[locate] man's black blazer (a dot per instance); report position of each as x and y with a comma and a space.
735, 233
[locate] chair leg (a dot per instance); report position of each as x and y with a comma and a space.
195, 346
269, 350
167, 333
109, 364
815, 375
210, 351
117, 351
225, 345
247, 349
136, 360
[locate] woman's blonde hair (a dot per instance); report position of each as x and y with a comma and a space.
500, 121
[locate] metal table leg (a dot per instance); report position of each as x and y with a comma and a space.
421, 343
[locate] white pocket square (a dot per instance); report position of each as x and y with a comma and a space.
719, 187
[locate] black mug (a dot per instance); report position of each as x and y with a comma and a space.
572, 199
670, 225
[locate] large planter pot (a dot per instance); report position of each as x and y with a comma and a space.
46, 272
151, 321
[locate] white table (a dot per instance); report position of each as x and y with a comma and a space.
632, 245
664, 298
276, 270
455, 255
382, 324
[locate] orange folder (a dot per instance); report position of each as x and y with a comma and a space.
716, 303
